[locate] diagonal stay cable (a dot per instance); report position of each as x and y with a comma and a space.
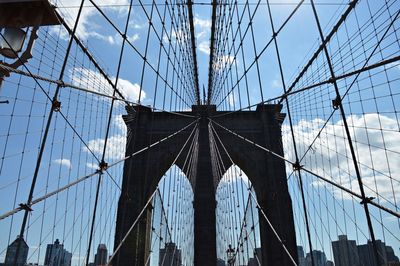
357, 73
79, 180
324, 42
244, 75
137, 51
381, 63
65, 85
59, 84
368, 200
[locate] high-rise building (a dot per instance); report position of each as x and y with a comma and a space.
256, 260
329, 263
345, 252
390, 255
367, 254
11, 253
101, 256
170, 255
56, 255
318, 256
253, 262
301, 258
220, 262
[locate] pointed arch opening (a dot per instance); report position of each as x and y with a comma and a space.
237, 220
172, 221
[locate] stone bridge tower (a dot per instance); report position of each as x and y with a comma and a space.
266, 172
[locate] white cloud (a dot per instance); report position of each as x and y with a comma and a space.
117, 39
119, 123
115, 147
204, 47
202, 23
130, 90
133, 23
86, 27
63, 162
165, 38
180, 36
134, 38
115, 144
224, 61
92, 166
202, 27
231, 99
330, 155
85, 78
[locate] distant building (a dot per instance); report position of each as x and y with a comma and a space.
301, 258
220, 262
12, 252
56, 255
390, 255
101, 256
329, 263
318, 256
345, 252
366, 254
170, 255
256, 260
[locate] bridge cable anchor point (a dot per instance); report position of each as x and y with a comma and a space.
367, 200
55, 105
336, 103
103, 166
25, 207
297, 166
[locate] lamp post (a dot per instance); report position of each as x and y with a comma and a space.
230, 253
17, 17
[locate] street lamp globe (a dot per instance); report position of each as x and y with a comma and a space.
11, 42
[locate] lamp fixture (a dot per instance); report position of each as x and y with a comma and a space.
17, 17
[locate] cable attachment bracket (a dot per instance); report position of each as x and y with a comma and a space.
297, 166
336, 102
367, 200
103, 166
25, 207
55, 105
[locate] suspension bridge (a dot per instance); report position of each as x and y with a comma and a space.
180, 132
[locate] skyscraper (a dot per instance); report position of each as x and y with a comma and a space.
220, 262
256, 261
345, 252
56, 255
319, 258
101, 256
12, 252
170, 255
390, 255
300, 253
367, 254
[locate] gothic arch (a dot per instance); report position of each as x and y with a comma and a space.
267, 173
